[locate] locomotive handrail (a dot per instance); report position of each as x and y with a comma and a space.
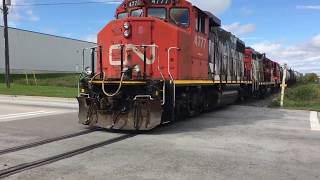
143, 46
83, 54
83, 68
80, 93
161, 74
169, 72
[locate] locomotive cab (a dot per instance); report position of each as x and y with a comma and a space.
147, 34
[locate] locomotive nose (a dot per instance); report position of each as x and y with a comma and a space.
137, 32
129, 47
126, 31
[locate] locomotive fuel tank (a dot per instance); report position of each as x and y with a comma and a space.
228, 97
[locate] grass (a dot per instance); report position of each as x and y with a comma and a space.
302, 96
59, 80
50, 85
48, 91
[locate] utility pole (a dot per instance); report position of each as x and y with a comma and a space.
6, 40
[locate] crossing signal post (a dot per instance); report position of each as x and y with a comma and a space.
5, 11
283, 85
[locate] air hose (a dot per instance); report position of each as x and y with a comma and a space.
119, 87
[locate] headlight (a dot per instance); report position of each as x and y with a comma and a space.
126, 33
126, 25
88, 71
137, 68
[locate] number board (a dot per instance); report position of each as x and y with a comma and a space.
135, 3
160, 2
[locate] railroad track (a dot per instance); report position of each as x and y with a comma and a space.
26, 166
46, 141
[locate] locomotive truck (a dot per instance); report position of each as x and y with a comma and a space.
164, 60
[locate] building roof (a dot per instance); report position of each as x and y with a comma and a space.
45, 34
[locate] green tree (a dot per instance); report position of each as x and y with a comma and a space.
310, 77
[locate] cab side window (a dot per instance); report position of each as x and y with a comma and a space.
201, 23
180, 16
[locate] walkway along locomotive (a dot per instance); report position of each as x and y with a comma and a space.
160, 61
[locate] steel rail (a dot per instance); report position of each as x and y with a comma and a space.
46, 141
27, 166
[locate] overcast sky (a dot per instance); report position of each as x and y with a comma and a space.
287, 30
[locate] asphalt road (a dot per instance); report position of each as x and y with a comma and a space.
235, 142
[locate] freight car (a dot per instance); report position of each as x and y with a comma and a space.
160, 61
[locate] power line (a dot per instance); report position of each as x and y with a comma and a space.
67, 3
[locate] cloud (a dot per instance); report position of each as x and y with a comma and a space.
316, 41
32, 17
239, 29
267, 46
311, 7
244, 11
304, 57
214, 6
19, 14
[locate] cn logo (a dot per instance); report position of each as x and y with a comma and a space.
134, 49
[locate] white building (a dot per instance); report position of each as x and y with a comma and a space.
43, 53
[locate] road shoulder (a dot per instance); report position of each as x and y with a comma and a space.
40, 101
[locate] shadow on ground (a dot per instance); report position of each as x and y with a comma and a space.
227, 116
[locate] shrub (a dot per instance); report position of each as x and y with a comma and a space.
275, 102
303, 96
303, 93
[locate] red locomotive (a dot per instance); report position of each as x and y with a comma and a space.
160, 61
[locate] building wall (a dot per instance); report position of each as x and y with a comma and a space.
42, 53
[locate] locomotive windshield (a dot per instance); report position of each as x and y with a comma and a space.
180, 16
123, 15
157, 12
137, 13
